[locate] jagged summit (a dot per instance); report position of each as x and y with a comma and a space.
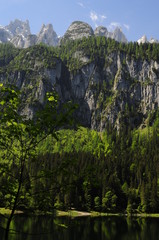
144, 39
118, 35
47, 35
19, 34
18, 27
101, 31
153, 40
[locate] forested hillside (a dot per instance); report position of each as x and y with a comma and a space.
108, 159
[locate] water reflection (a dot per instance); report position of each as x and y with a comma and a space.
85, 228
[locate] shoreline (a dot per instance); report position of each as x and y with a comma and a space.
76, 213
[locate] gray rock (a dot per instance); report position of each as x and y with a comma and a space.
18, 27
5, 36
31, 40
119, 36
18, 33
142, 40
104, 93
101, 31
47, 35
18, 41
153, 40
77, 30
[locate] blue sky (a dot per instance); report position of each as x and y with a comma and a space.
135, 17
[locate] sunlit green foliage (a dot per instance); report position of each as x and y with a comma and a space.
19, 139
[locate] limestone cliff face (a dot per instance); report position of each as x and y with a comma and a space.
116, 93
119, 91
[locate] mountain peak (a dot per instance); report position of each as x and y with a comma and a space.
18, 32
47, 35
142, 40
153, 40
18, 27
118, 35
77, 30
101, 31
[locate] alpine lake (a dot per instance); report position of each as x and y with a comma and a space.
82, 228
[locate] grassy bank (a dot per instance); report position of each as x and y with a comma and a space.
73, 213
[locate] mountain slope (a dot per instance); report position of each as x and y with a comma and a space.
115, 85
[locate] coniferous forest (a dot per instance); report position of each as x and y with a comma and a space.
87, 170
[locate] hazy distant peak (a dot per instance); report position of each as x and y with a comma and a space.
101, 31
153, 40
18, 27
119, 36
142, 40
47, 35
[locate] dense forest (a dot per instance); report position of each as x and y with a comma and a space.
109, 171
87, 170
94, 48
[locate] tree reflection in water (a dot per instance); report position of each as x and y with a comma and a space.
98, 228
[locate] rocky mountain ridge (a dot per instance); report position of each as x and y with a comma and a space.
18, 33
144, 39
80, 29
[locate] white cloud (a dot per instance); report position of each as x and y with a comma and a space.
103, 17
93, 16
126, 26
97, 18
113, 25
81, 4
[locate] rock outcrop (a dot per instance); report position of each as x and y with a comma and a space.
77, 30
5, 36
31, 40
18, 41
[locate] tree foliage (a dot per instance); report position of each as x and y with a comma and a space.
19, 139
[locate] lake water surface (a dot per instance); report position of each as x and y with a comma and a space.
83, 228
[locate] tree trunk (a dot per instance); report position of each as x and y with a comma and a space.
14, 205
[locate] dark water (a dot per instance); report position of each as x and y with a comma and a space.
83, 228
